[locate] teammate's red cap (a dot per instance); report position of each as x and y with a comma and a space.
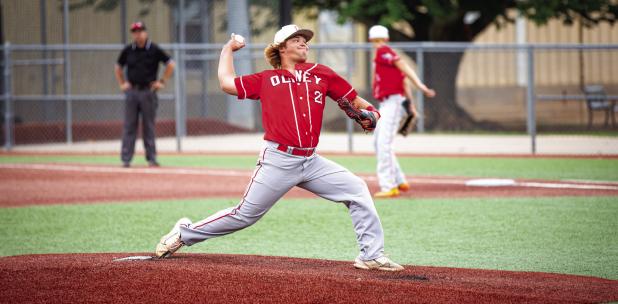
138, 26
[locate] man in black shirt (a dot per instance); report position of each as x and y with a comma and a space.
142, 58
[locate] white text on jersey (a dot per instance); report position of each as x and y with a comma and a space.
301, 76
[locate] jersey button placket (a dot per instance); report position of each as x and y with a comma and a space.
297, 94
301, 92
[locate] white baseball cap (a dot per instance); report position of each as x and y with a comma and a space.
289, 31
378, 31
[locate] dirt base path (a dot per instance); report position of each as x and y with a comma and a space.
34, 184
192, 278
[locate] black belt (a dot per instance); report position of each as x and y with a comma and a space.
139, 86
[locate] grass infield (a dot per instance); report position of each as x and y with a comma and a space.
573, 235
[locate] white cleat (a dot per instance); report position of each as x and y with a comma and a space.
381, 263
171, 242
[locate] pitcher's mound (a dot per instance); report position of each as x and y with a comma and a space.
201, 278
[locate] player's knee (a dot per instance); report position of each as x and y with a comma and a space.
362, 183
246, 219
361, 187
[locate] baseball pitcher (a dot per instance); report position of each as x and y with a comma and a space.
292, 97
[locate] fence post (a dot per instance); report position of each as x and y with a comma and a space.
241, 113
531, 100
123, 21
182, 66
177, 107
420, 68
8, 115
67, 74
349, 125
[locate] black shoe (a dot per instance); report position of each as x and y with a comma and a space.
153, 163
126, 164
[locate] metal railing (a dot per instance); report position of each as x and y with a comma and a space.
356, 69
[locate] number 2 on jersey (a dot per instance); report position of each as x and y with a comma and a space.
318, 97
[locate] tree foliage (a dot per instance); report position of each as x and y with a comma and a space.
462, 20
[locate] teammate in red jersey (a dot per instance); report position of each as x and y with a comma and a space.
389, 88
292, 96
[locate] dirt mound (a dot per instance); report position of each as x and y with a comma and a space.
209, 278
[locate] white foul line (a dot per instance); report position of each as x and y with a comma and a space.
566, 186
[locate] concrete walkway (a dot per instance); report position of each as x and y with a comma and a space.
363, 143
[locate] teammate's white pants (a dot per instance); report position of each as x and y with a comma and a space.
275, 174
389, 171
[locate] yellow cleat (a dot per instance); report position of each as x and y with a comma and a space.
404, 187
386, 194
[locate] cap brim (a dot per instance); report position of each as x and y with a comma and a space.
307, 34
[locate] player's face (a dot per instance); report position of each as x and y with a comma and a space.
139, 36
296, 49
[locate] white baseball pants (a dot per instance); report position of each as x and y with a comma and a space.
389, 171
275, 174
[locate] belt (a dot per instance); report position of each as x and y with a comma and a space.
389, 95
296, 151
138, 86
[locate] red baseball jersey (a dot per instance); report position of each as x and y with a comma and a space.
388, 79
293, 104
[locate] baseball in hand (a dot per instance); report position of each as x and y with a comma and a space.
238, 38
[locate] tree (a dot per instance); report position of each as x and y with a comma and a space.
458, 21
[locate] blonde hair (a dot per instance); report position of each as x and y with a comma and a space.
272, 55
378, 40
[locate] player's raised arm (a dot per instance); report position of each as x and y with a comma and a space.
407, 70
226, 71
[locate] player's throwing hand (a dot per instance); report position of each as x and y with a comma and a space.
236, 42
429, 93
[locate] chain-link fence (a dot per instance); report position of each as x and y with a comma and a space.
58, 83
58, 93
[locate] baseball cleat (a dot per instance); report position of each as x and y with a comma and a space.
381, 263
171, 242
386, 194
403, 187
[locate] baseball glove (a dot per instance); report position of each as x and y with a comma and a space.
408, 122
366, 119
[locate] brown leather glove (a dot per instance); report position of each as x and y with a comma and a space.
367, 119
407, 123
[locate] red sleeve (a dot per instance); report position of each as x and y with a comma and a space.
386, 55
249, 86
339, 87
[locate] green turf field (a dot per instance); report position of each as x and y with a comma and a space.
565, 235
541, 168
576, 235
